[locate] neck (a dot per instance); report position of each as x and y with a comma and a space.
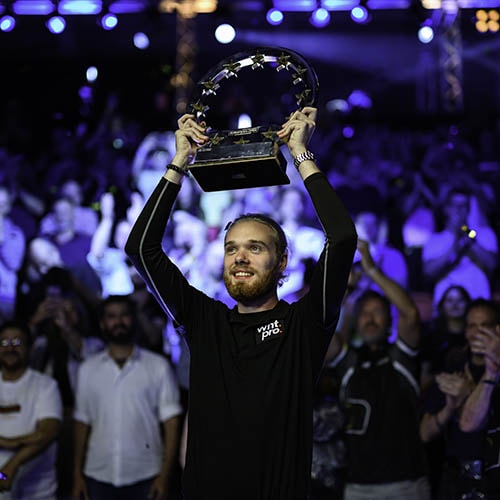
455, 325
120, 352
264, 304
13, 374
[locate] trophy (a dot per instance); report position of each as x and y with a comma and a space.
248, 157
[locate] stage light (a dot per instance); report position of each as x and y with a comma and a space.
274, 17
141, 40
487, 21
425, 34
56, 24
79, 7
360, 14
320, 18
33, 7
109, 21
225, 33
91, 74
7, 23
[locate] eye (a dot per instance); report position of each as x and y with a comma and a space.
230, 250
255, 248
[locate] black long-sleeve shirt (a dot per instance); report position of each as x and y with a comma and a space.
252, 376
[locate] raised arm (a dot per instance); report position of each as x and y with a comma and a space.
408, 315
329, 281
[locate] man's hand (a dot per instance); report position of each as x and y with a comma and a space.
188, 137
366, 257
486, 342
79, 488
456, 387
8, 471
298, 129
159, 488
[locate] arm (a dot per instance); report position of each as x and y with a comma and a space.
81, 433
329, 282
102, 236
30, 445
408, 315
171, 435
456, 387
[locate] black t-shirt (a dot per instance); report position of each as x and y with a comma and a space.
252, 376
380, 391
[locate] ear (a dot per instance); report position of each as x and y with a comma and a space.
283, 261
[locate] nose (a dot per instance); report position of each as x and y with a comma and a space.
241, 257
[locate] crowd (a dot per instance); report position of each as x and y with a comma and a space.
95, 375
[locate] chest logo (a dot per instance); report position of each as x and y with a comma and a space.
269, 331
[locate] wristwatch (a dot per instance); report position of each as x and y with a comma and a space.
306, 155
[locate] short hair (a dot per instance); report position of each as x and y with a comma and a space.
18, 325
279, 235
117, 299
370, 295
492, 305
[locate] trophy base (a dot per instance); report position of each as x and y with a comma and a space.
228, 168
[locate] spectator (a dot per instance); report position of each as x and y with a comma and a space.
462, 467
85, 218
443, 336
109, 262
30, 420
481, 409
123, 395
12, 249
459, 255
73, 245
379, 391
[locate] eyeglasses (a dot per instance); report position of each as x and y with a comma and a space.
11, 342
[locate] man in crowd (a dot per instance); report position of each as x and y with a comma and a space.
126, 415
30, 419
379, 389
481, 410
253, 367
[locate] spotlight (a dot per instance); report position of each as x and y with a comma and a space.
487, 21
425, 34
360, 14
56, 24
225, 33
320, 18
274, 17
7, 23
109, 21
141, 41
91, 74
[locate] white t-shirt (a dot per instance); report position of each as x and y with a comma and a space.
124, 408
24, 402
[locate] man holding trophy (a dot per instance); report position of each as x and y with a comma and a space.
254, 367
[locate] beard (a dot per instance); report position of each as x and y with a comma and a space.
249, 292
120, 335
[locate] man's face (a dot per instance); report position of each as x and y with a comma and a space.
478, 317
117, 324
251, 265
373, 323
13, 349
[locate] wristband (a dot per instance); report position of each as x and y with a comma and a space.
306, 155
177, 169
